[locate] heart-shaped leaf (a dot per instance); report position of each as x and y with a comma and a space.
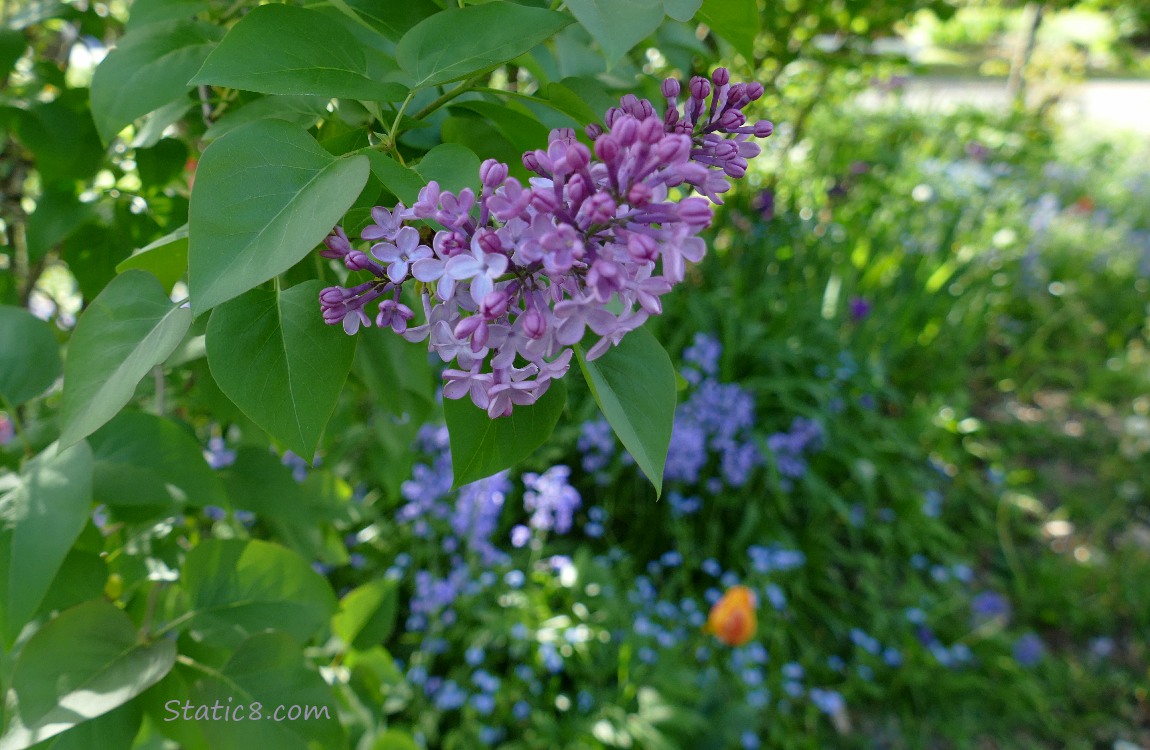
617, 25
236, 588
40, 518
146, 463
282, 49
81, 665
266, 194
482, 446
149, 68
275, 358
165, 258
737, 21
367, 614
634, 385
29, 356
128, 329
272, 697
456, 43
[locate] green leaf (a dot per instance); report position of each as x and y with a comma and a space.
481, 446
275, 358
402, 182
682, 10
453, 166
85, 663
457, 43
58, 214
393, 739
115, 730
148, 463
265, 195
62, 137
236, 588
582, 98
166, 258
304, 111
737, 21
367, 614
149, 68
523, 131
617, 25
397, 373
29, 356
634, 385
268, 669
40, 518
282, 49
128, 329
145, 12
299, 515
392, 20
12, 46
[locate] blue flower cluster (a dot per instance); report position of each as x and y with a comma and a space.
790, 448
716, 418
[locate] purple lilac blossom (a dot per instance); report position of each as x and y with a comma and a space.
517, 274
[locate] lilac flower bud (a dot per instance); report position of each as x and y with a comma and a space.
673, 149
449, 244
754, 91
333, 295
737, 96
700, 88
604, 279
534, 324
626, 131
639, 195
670, 88
607, 148
651, 131
730, 120
593, 131
466, 327
642, 248
492, 173
695, 211
763, 128
562, 135
488, 240
357, 260
599, 209
578, 189
721, 76
494, 305
337, 245
479, 338
393, 315
736, 167
578, 156
428, 202
613, 114
544, 201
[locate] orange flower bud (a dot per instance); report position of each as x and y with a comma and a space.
732, 619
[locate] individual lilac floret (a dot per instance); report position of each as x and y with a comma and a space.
516, 276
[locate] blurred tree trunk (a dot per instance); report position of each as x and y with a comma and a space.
1032, 20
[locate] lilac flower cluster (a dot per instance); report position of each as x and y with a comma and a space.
520, 273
